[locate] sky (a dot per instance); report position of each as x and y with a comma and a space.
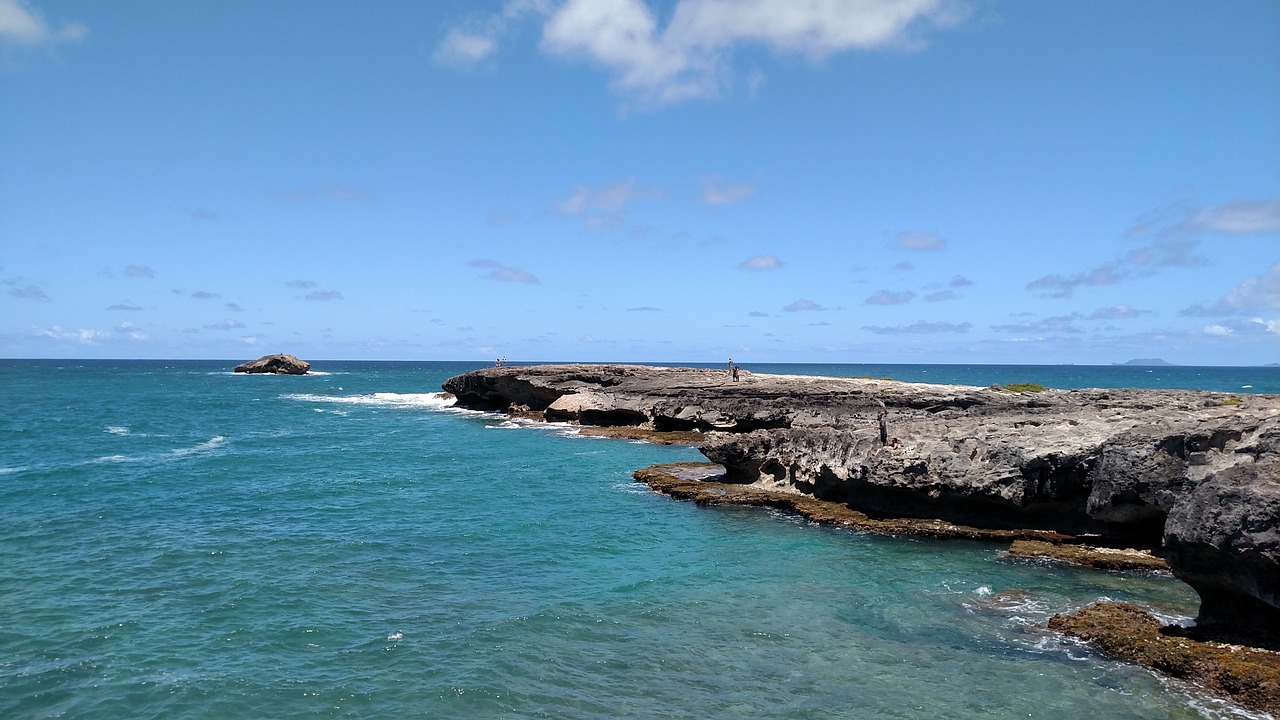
842, 181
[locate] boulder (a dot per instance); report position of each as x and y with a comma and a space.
279, 364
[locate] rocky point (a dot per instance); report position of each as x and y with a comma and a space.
1193, 475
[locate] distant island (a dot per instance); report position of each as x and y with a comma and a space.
1147, 362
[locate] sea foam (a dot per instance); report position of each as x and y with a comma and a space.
429, 401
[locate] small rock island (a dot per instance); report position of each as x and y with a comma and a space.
279, 364
1191, 476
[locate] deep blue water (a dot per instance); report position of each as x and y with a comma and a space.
177, 541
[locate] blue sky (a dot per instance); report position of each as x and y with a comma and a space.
963, 181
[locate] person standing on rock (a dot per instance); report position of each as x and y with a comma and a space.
735, 373
883, 417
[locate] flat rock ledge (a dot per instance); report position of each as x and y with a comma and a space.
1249, 676
280, 364
701, 483
1193, 477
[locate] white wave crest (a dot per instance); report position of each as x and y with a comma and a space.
205, 446
428, 401
116, 430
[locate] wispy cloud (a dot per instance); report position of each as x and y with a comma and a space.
941, 296
1117, 312
334, 192
30, 292
21, 24
202, 295
604, 206
1140, 262
1257, 293
124, 307
715, 191
324, 296
1243, 327
477, 38
140, 271
1235, 217
889, 297
761, 262
644, 308
803, 306
461, 48
503, 273
82, 336
125, 331
918, 240
920, 327
301, 284
225, 325
1057, 324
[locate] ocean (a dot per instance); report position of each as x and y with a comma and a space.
178, 541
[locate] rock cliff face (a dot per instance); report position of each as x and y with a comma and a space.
276, 364
1194, 473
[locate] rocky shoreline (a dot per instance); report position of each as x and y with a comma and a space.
1187, 478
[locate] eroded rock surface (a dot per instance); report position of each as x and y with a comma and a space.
1195, 474
280, 364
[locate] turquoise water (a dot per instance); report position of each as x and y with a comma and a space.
177, 541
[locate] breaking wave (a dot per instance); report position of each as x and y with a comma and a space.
426, 401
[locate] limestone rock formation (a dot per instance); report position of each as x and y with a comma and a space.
1193, 474
280, 364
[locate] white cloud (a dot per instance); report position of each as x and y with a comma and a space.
24, 25
715, 191
502, 273
888, 297
803, 306
1116, 312
83, 336
761, 262
1238, 217
1054, 324
604, 207
226, 325
613, 198
142, 271
30, 292
1139, 262
1217, 330
462, 48
1254, 294
919, 327
916, 240
690, 57
129, 331
477, 39
324, 295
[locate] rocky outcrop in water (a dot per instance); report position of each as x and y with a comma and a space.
280, 364
1194, 474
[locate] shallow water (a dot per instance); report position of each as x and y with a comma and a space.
182, 542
